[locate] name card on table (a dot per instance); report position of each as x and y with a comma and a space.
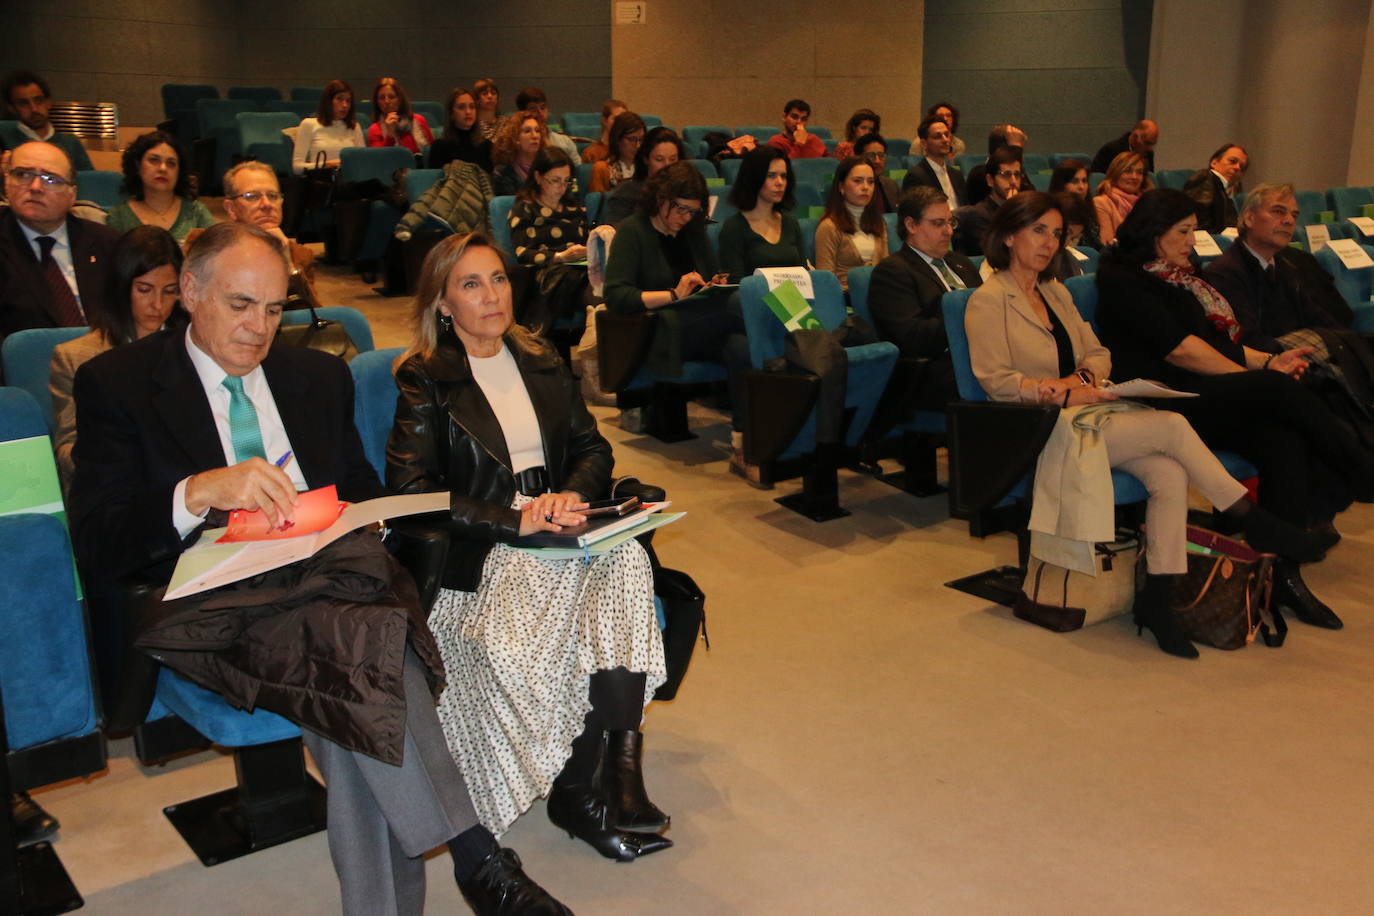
1318, 236
1204, 244
799, 277
1231, 232
1364, 224
1351, 254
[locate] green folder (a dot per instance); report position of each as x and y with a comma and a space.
1326, 216
715, 182
791, 307
1367, 210
896, 174
28, 481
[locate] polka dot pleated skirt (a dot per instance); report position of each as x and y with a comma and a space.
519, 653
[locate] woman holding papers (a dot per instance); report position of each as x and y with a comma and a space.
1165, 323
550, 662
1028, 343
548, 229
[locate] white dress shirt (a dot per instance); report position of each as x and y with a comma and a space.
61, 253
274, 439
941, 171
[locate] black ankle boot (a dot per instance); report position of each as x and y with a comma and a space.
622, 780
1152, 610
1268, 533
1291, 593
584, 812
500, 887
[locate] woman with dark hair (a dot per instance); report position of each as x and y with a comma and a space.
1028, 343
624, 137
601, 147
1165, 323
394, 123
1125, 181
950, 115
159, 189
852, 233
548, 228
333, 128
517, 143
1077, 215
462, 139
550, 662
143, 297
660, 148
872, 148
488, 106
762, 233
862, 122
660, 259
1071, 175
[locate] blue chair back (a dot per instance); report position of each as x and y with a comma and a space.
418, 181
582, 124
808, 226
1034, 162
1056, 158
498, 213
651, 121
359, 163
257, 94
819, 130
697, 133
1172, 178
220, 114
758, 132
808, 196
967, 162
1310, 204
1084, 292
706, 167
953, 305
1354, 285
263, 127
1348, 202
362, 110
354, 322
100, 187
26, 358
301, 109
729, 170
181, 96
859, 280
897, 146
815, 172
583, 174
724, 209
593, 202
1095, 179
434, 115
310, 94
894, 240
374, 402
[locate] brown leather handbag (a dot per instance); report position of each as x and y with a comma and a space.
1226, 598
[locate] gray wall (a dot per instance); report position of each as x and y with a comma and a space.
1071, 73
124, 50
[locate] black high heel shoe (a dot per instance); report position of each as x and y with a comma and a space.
1292, 593
623, 783
586, 815
1152, 611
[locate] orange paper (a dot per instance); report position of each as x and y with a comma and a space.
316, 510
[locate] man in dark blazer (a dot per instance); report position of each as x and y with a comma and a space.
1139, 139
61, 287
1003, 179
1213, 186
157, 420
936, 170
904, 293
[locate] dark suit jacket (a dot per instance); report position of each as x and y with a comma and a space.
922, 174
1113, 148
973, 222
143, 424
891, 196
25, 301
1215, 208
904, 297
1268, 310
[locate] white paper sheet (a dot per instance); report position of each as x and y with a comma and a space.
777, 276
1318, 236
1351, 254
1364, 224
1146, 388
1204, 244
1076, 253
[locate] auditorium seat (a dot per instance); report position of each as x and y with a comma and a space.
261, 138
26, 361
256, 94
103, 188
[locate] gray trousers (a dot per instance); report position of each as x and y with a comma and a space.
383, 818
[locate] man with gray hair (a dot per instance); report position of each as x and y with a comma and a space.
183, 426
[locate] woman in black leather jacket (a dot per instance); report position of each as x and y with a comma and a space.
488, 412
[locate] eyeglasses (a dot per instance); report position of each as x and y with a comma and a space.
556, 182
22, 176
942, 223
690, 212
875, 156
1009, 175
254, 196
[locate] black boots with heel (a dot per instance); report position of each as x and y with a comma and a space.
1152, 610
622, 780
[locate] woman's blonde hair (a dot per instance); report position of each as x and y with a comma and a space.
433, 283
507, 137
1118, 167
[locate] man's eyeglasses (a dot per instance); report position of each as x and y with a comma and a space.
942, 223
1009, 175
875, 156
254, 196
22, 176
689, 212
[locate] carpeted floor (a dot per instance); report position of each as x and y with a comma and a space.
861, 739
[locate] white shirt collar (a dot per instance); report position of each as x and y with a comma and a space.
1264, 262
33, 134
937, 166
60, 234
1222, 178
211, 373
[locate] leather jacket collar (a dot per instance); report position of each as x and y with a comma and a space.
449, 361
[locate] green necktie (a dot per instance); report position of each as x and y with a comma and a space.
244, 433
950, 277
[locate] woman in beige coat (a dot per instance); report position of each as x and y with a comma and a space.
1028, 343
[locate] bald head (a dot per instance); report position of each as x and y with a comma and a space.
37, 203
1144, 136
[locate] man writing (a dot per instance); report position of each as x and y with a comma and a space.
183, 423
53, 266
28, 101
794, 140
936, 170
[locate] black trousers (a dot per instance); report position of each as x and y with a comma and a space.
1305, 458
712, 330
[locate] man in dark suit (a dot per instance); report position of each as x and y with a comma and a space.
872, 148
53, 266
156, 423
1139, 139
1004, 179
904, 293
1213, 186
27, 102
936, 170
1000, 137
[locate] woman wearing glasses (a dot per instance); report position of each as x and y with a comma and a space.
548, 229
159, 191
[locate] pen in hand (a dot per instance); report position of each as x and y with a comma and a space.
281, 462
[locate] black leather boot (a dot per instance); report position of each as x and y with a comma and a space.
1292, 594
622, 780
31, 823
1268, 533
500, 887
584, 812
1152, 611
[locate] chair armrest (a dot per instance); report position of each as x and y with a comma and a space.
898, 401
622, 345
992, 446
422, 548
779, 403
128, 707
633, 486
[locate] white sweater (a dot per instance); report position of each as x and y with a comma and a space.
312, 139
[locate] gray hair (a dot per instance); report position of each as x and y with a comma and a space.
248, 165
221, 237
1254, 201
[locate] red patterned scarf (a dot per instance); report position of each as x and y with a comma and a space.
1219, 311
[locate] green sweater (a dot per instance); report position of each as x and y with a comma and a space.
742, 250
192, 215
